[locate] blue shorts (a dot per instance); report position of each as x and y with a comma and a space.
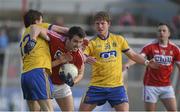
36, 85
99, 95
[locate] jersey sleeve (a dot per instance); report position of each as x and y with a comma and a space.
89, 48
125, 45
79, 60
144, 50
177, 55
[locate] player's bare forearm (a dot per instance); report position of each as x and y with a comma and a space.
139, 58
56, 63
59, 29
89, 59
80, 75
78, 78
135, 57
36, 31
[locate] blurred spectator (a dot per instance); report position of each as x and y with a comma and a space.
3, 38
89, 21
176, 24
127, 19
59, 21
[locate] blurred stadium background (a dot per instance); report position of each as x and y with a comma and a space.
138, 27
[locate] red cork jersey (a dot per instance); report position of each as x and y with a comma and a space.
57, 48
166, 57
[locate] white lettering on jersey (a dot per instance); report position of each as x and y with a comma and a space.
109, 54
164, 60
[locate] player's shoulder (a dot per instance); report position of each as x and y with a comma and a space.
152, 43
173, 45
54, 35
94, 38
25, 32
117, 37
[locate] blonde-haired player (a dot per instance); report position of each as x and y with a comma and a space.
106, 82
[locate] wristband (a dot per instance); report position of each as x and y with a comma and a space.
146, 62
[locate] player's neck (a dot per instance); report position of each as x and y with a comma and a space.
163, 43
104, 36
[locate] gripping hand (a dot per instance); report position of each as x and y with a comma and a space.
67, 79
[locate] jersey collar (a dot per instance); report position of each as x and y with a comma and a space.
104, 38
163, 45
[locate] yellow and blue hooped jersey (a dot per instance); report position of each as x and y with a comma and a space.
40, 56
107, 71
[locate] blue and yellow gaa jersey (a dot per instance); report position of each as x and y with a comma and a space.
107, 71
40, 56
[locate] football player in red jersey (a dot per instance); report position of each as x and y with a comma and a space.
64, 48
157, 84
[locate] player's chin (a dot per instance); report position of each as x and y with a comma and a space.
100, 32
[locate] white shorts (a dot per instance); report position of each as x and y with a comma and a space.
152, 94
61, 91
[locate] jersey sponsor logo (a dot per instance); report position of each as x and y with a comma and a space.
164, 60
107, 46
109, 54
57, 54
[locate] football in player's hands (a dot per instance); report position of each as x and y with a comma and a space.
68, 72
66, 78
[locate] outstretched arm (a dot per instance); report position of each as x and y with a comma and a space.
35, 31
139, 58
135, 57
59, 29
